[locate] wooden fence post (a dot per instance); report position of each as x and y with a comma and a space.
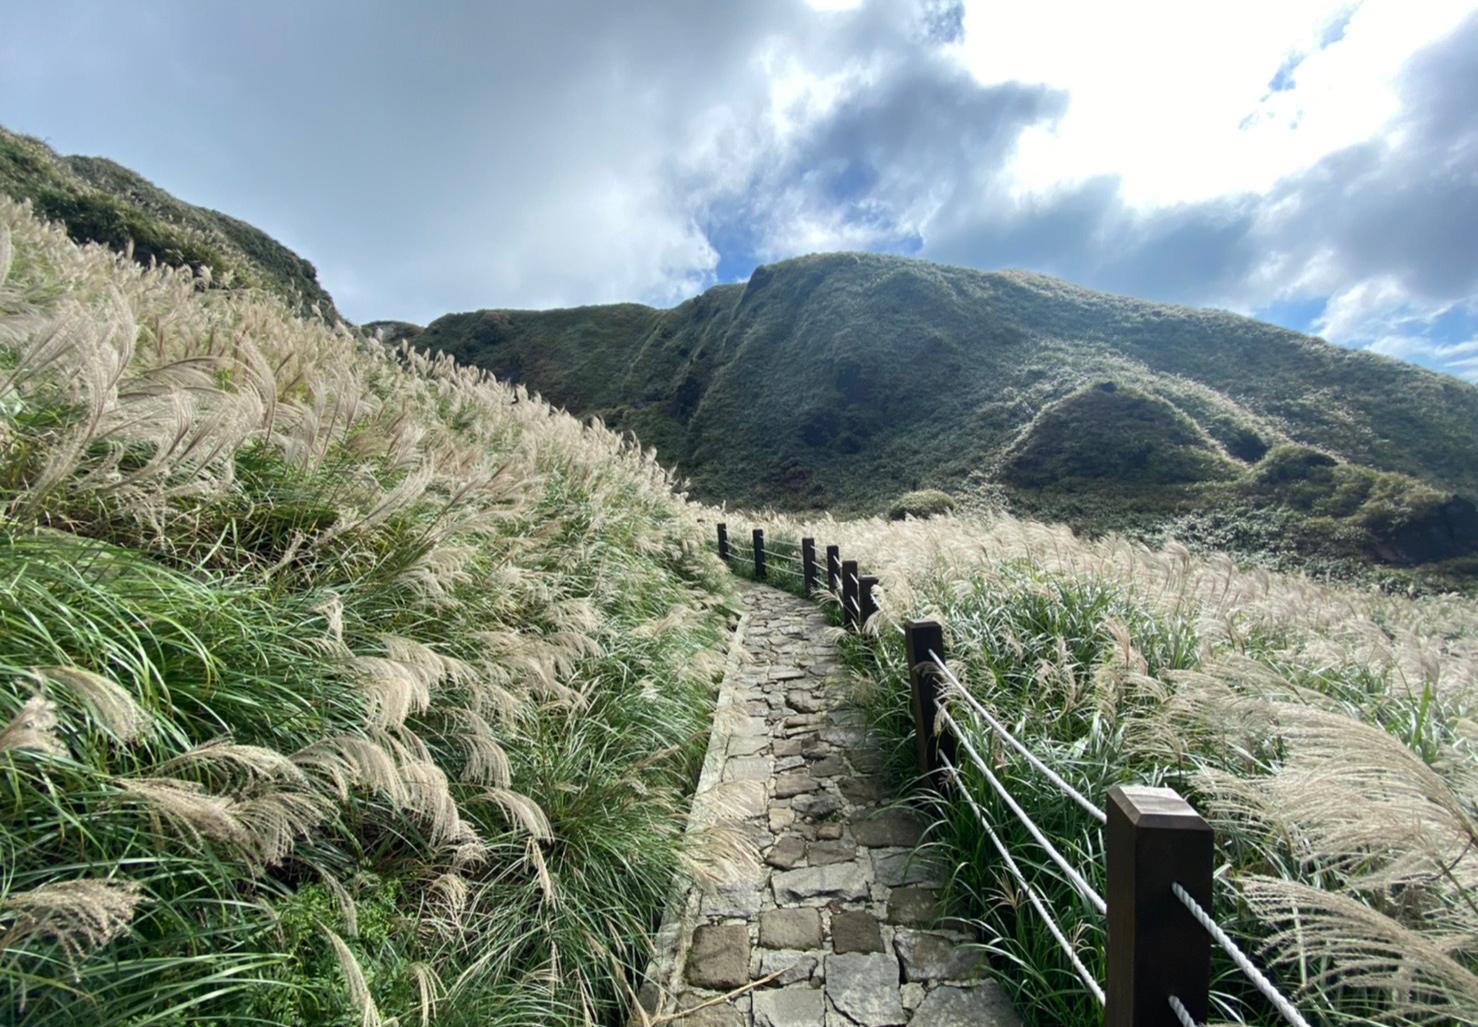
926, 684
849, 592
834, 570
1155, 947
866, 607
759, 554
808, 566
723, 542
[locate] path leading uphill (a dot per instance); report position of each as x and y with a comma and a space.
839, 907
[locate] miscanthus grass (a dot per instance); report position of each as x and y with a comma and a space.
1330, 735
338, 685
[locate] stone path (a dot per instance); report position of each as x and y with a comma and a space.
837, 904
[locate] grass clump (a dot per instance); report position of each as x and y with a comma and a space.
1326, 733
921, 504
338, 684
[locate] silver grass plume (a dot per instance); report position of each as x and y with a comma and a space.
81, 916
1336, 941
359, 992
111, 706
187, 806
33, 728
251, 762
429, 988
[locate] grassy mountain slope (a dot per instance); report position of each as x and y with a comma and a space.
100, 201
338, 685
842, 380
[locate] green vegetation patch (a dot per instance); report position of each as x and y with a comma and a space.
1108, 432
921, 504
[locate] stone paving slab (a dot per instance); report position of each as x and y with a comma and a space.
836, 903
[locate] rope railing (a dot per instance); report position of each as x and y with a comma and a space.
1031, 893
1156, 845
1181, 1013
1265, 987
1076, 879
1006, 736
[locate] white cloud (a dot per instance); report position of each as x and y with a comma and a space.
1173, 98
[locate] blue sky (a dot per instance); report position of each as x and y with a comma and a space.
1312, 162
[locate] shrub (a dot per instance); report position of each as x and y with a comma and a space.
921, 504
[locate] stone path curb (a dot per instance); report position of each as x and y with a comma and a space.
833, 904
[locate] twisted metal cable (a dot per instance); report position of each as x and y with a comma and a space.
1031, 893
1261, 983
1086, 890
1010, 739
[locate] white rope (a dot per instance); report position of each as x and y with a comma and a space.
854, 580
1181, 1013
1086, 890
1031, 894
1261, 983
1010, 739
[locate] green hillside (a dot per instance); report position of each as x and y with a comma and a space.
338, 686
103, 202
840, 381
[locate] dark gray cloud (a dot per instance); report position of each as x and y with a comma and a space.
427, 158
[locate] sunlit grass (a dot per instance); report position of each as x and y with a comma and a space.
1330, 735
337, 685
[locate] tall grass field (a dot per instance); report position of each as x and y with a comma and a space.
338, 685
1329, 735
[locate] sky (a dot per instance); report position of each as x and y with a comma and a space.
1309, 162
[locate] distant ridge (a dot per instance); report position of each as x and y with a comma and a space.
100, 201
841, 380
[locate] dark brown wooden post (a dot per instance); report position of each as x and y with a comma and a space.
849, 592
759, 554
926, 683
808, 565
834, 570
723, 542
866, 607
1155, 948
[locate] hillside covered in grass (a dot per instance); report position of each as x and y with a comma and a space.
1329, 735
841, 381
337, 685
103, 202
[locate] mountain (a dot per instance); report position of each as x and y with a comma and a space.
839, 381
100, 201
